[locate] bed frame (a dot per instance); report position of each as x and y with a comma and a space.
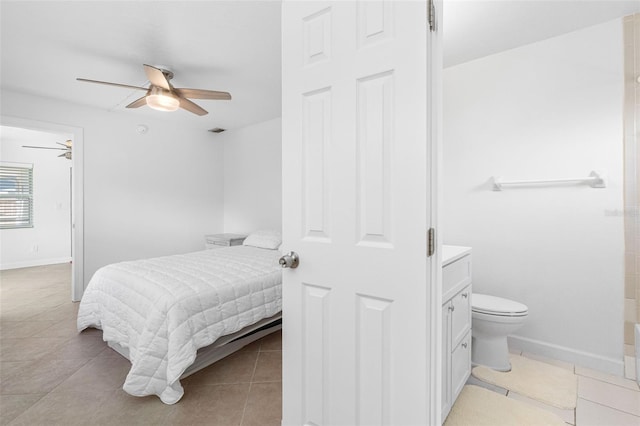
224, 346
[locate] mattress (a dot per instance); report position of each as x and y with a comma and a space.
162, 310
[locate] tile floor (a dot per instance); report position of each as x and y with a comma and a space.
603, 399
50, 374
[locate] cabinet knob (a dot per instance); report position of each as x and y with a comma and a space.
465, 294
464, 345
452, 308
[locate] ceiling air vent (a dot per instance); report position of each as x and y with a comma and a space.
217, 130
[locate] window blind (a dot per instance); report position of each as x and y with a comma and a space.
16, 196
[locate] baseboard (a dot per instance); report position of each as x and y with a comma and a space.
562, 353
35, 262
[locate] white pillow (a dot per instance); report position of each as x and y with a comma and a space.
267, 239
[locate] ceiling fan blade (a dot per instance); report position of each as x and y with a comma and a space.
66, 144
156, 77
43, 147
111, 84
138, 102
202, 94
191, 107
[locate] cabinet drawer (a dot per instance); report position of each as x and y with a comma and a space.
456, 275
460, 366
214, 244
225, 243
461, 315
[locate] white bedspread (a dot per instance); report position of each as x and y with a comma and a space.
164, 309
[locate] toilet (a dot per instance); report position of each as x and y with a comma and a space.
492, 320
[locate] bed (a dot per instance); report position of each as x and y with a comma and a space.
173, 315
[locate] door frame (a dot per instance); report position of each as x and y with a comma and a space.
77, 193
434, 122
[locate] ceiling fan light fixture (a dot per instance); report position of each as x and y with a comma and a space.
162, 96
162, 100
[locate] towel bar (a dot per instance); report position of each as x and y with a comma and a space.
596, 179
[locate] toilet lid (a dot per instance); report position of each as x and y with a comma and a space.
486, 304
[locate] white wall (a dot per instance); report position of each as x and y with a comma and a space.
144, 195
546, 110
253, 177
49, 240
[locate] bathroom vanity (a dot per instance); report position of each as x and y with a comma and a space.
456, 323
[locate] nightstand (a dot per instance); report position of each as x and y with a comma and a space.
212, 241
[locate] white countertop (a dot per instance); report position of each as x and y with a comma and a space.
453, 253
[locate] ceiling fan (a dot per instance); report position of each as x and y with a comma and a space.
67, 148
161, 95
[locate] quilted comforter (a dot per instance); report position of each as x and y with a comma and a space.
164, 309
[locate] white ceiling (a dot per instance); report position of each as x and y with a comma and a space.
476, 28
12, 140
232, 46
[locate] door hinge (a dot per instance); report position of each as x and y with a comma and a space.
431, 242
431, 6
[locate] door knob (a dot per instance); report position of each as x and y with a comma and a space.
290, 260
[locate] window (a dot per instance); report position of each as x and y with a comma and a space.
16, 196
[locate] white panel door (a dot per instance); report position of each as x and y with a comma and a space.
358, 327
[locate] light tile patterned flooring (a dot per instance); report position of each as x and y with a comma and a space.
50, 374
603, 399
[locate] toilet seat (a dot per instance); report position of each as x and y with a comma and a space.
492, 305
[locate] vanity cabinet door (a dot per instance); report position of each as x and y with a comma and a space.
460, 365
446, 360
456, 330
460, 316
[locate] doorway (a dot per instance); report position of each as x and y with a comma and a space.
74, 221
